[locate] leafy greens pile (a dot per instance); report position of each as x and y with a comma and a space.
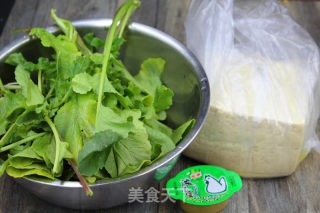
85, 116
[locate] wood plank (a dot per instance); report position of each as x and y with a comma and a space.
5, 10
36, 13
171, 17
17, 20
296, 193
146, 14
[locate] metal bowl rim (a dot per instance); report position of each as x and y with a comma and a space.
172, 42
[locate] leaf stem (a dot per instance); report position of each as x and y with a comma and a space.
65, 97
125, 19
24, 30
40, 81
82, 46
108, 44
81, 178
71, 32
71, 161
57, 139
49, 93
2, 89
25, 140
8, 134
11, 83
12, 86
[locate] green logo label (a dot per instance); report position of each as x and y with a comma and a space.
204, 185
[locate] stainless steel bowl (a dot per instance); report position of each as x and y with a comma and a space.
183, 74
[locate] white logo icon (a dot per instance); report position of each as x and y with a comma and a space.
214, 185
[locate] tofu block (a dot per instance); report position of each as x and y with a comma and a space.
252, 149
258, 118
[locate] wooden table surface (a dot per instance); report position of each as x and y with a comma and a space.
299, 192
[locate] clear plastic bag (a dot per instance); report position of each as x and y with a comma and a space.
263, 70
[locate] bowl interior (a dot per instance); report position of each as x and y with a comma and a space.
183, 73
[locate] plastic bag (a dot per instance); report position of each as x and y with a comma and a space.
263, 70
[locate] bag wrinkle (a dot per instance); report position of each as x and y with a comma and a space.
263, 70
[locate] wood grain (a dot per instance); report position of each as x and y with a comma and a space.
298, 193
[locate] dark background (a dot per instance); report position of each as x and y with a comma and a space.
6, 6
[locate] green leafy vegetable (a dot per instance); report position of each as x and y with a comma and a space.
129, 154
66, 51
122, 122
45, 148
81, 83
66, 122
3, 166
162, 98
87, 106
70, 31
93, 155
163, 138
84, 116
92, 41
149, 76
29, 90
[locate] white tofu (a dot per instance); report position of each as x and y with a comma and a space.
257, 120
